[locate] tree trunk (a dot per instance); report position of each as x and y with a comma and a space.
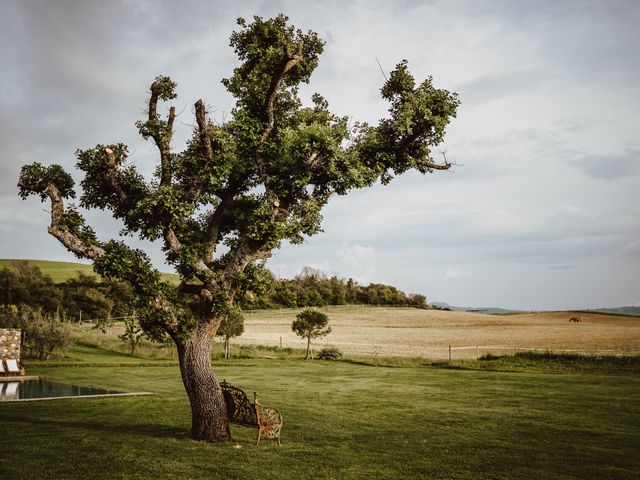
227, 354
208, 411
306, 357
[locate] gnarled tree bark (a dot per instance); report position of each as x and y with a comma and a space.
208, 410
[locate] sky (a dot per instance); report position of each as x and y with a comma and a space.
542, 210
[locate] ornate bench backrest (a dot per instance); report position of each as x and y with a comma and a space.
239, 409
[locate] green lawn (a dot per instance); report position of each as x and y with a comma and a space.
342, 420
61, 271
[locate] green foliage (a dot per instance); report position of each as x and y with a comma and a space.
74, 222
133, 333
87, 295
311, 324
42, 333
243, 186
35, 178
24, 284
232, 324
260, 47
417, 300
98, 170
329, 354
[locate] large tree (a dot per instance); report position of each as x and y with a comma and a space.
237, 191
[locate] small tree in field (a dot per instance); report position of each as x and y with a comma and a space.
237, 191
133, 333
232, 325
310, 324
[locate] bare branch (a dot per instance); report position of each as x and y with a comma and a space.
438, 166
112, 179
170, 120
162, 139
381, 70
205, 141
435, 166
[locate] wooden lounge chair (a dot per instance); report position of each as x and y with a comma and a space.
267, 420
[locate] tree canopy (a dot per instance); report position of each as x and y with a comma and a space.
238, 190
309, 324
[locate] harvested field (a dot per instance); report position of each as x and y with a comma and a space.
428, 333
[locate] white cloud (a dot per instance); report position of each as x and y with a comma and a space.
455, 274
355, 254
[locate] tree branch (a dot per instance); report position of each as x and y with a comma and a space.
195, 187
241, 257
288, 62
203, 272
205, 141
161, 138
190, 288
62, 233
111, 163
212, 232
429, 165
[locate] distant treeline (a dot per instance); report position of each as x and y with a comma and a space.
312, 288
93, 298
83, 296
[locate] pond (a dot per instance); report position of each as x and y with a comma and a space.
41, 389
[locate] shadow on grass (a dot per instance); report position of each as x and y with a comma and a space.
138, 429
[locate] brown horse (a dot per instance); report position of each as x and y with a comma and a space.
575, 320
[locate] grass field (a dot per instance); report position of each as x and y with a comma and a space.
342, 420
58, 271
428, 333
409, 332
61, 271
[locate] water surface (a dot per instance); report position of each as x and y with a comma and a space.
41, 388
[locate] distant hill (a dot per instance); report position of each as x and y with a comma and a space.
628, 310
618, 310
489, 310
61, 271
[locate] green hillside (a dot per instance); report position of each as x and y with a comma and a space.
61, 271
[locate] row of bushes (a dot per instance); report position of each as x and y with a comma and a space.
90, 298
312, 288
83, 296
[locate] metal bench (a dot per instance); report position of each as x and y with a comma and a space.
241, 411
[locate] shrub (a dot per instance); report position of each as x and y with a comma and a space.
42, 334
329, 354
